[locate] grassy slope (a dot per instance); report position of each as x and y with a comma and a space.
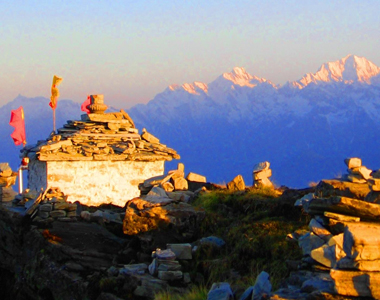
254, 225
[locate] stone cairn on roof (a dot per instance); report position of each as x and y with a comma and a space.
261, 174
100, 136
343, 238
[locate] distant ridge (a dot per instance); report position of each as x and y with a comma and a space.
304, 128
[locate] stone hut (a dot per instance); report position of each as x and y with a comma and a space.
100, 159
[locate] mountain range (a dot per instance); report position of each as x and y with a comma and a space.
305, 128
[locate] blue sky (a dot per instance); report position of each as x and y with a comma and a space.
131, 50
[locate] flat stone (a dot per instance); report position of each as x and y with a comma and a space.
260, 175
346, 206
58, 213
168, 265
354, 178
340, 217
181, 251
166, 254
335, 187
170, 275
45, 207
353, 162
319, 230
43, 214
134, 269
196, 177
149, 137
65, 206
261, 166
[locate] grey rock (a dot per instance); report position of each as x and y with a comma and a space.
309, 242
220, 291
181, 251
170, 275
218, 242
134, 269
262, 286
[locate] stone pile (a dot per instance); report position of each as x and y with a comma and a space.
174, 184
261, 174
46, 207
7, 180
343, 237
357, 173
107, 136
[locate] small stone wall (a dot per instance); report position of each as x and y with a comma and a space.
94, 182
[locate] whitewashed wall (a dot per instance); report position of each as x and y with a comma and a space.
94, 182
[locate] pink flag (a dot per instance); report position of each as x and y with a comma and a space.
85, 104
17, 121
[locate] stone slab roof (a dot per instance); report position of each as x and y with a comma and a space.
106, 136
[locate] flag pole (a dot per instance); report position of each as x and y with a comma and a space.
54, 119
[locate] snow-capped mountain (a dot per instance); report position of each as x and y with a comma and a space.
305, 129
350, 69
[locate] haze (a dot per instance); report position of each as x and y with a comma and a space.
131, 50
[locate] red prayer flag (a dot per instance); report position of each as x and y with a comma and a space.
17, 121
86, 103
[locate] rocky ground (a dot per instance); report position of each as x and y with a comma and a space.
206, 235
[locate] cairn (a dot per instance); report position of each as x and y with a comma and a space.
7, 180
357, 173
261, 174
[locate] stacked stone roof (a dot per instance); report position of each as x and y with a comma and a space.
100, 136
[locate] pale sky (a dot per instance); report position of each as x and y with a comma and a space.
132, 50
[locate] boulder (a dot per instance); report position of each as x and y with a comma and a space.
262, 287
237, 184
220, 291
143, 216
180, 184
